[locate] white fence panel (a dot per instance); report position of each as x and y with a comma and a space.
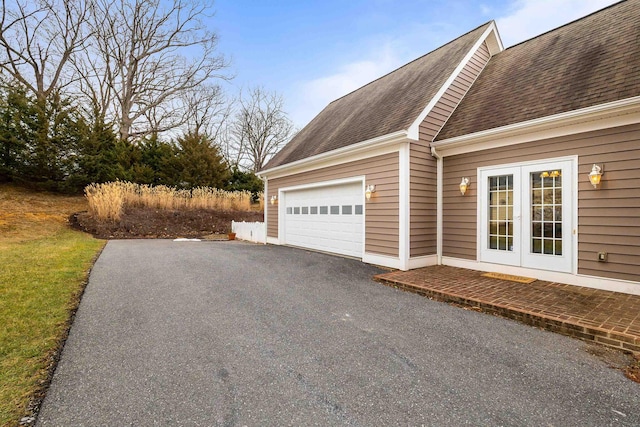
252, 231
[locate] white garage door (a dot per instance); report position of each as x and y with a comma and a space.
326, 218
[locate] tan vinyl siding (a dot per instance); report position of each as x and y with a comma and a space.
382, 214
422, 187
436, 118
608, 217
422, 208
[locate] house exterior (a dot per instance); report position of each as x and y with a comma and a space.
521, 127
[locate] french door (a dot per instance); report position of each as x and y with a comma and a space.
526, 215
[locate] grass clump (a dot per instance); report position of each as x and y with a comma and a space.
44, 268
107, 201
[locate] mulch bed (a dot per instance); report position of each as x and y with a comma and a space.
144, 223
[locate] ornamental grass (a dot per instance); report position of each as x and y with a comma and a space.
107, 201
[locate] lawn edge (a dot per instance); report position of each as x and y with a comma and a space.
52, 358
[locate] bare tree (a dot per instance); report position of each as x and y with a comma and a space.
37, 40
152, 52
94, 81
229, 147
207, 111
261, 127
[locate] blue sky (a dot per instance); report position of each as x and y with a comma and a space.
312, 52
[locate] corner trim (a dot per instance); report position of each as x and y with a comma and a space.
265, 195
422, 261
273, 241
382, 260
404, 206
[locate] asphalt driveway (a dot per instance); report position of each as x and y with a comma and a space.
228, 333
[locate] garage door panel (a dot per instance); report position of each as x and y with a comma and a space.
325, 219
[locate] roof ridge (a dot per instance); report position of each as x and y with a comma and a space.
412, 61
566, 24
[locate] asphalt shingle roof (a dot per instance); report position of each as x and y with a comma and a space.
591, 61
386, 105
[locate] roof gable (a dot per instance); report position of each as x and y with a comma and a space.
588, 62
384, 106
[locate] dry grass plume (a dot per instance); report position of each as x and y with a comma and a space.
107, 201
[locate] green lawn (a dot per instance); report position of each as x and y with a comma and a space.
43, 268
39, 284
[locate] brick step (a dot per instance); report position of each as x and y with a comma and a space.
562, 324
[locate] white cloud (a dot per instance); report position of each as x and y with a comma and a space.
529, 18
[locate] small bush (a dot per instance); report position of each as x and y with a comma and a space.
107, 201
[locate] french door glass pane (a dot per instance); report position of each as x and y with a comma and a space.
500, 212
546, 212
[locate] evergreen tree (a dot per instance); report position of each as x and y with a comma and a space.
18, 121
40, 138
97, 156
200, 163
158, 164
245, 181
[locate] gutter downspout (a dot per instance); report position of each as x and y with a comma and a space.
439, 211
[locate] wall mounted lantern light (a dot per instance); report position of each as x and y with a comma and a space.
596, 174
370, 190
464, 185
273, 199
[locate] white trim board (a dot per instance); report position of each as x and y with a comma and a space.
272, 241
404, 218
614, 114
422, 261
362, 150
266, 202
317, 184
382, 260
594, 282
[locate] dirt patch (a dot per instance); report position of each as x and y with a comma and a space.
633, 370
26, 215
144, 223
617, 359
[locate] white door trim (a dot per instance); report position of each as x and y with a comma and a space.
571, 213
564, 262
514, 255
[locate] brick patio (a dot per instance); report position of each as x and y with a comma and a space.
609, 318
